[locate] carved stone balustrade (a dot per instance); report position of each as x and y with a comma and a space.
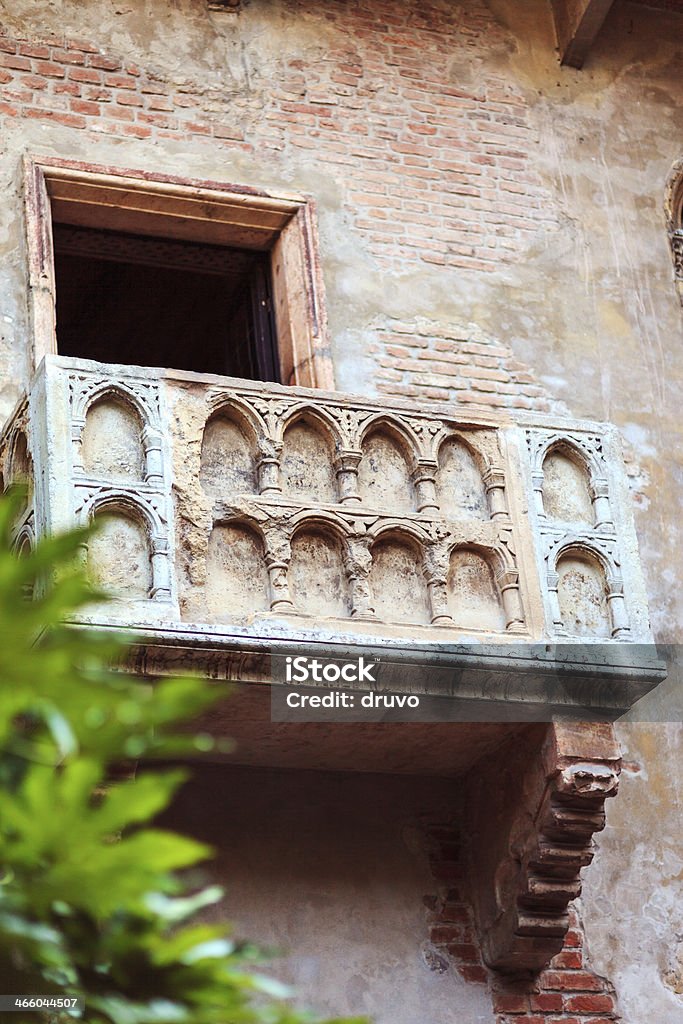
225, 505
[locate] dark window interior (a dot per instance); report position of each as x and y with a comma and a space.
145, 301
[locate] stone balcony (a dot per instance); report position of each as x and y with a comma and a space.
231, 507
241, 520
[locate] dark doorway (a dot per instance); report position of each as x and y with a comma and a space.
144, 301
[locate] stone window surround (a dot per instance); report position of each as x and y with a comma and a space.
165, 206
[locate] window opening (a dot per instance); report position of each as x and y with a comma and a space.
140, 300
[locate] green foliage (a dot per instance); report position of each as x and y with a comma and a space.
94, 902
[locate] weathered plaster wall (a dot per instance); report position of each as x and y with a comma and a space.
329, 870
495, 236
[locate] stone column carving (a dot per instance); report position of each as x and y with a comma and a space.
553, 581
358, 563
617, 608
494, 482
346, 466
537, 484
508, 582
278, 557
77, 426
269, 466
600, 498
436, 572
154, 467
161, 576
424, 478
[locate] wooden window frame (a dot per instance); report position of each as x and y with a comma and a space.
164, 206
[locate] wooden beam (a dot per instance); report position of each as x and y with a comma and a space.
577, 23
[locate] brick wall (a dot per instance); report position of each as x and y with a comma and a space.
426, 360
435, 148
568, 992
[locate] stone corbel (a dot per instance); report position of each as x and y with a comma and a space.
358, 563
278, 556
424, 479
269, 466
346, 466
494, 482
533, 817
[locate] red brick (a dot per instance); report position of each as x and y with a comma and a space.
593, 1003
80, 44
105, 63
42, 52
70, 88
576, 981
85, 107
479, 975
466, 952
68, 120
549, 1002
510, 1003
68, 57
86, 75
137, 131
33, 82
5, 77
7, 45
128, 100
15, 63
120, 81
159, 103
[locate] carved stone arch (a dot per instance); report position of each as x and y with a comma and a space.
385, 527
25, 539
398, 581
229, 456
114, 448
475, 587
569, 482
395, 428
324, 519
463, 483
120, 554
116, 391
221, 403
389, 465
237, 574
317, 416
586, 591
20, 461
309, 444
318, 580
